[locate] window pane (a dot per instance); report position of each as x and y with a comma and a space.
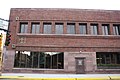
35, 28
71, 28
35, 59
23, 27
42, 60
47, 29
94, 29
108, 60
105, 29
116, 29
50, 60
26, 27
59, 28
83, 29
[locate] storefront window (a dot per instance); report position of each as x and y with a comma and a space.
49, 60
108, 60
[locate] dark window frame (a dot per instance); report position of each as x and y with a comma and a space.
105, 29
35, 27
23, 27
83, 28
108, 60
47, 28
42, 60
71, 29
61, 30
94, 29
116, 29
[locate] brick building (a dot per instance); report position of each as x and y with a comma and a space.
63, 41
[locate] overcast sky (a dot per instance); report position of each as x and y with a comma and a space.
5, 5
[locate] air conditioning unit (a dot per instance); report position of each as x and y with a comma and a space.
17, 18
13, 46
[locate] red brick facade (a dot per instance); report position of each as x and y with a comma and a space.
74, 45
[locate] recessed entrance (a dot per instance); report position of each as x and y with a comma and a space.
80, 65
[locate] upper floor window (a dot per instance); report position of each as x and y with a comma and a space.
94, 29
23, 27
59, 28
116, 29
105, 29
47, 28
83, 28
35, 28
71, 28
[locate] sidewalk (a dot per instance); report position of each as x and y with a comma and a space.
58, 75
25, 76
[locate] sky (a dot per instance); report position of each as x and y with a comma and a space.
5, 5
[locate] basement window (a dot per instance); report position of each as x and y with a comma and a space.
44, 60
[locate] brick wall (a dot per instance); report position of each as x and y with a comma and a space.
64, 42
65, 14
71, 44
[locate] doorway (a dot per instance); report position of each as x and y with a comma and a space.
80, 65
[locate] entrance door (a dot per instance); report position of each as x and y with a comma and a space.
80, 65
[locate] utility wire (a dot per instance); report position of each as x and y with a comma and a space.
4, 19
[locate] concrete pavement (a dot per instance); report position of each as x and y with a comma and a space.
30, 76
58, 75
